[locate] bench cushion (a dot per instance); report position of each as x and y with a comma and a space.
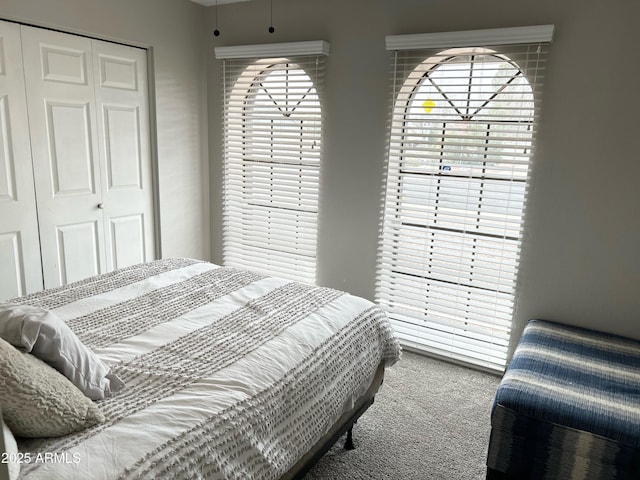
569, 400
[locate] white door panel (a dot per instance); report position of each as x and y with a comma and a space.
62, 63
12, 281
20, 267
119, 68
127, 237
62, 117
123, 122
78, 250
69, 140
122, 148
7, 167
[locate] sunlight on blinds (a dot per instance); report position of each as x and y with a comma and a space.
461, 141
272, 147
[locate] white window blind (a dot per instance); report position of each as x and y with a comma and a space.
462, 132
272, 150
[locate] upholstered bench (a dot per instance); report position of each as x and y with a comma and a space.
568, 407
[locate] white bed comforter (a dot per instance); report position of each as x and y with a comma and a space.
228, 374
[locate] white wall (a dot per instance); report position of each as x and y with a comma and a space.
581, 257
175, 32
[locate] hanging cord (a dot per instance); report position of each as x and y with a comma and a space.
271, 29
216, 32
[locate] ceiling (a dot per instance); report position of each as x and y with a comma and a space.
210, 3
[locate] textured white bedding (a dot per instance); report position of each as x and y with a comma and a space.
228, 374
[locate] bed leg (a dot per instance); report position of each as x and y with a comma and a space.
348, 444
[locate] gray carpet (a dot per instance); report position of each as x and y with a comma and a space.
430, 420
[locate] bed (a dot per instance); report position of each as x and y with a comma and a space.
568, 407
227, 374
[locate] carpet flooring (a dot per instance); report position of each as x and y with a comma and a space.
430, 420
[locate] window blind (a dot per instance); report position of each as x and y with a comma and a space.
460, 149
272, 151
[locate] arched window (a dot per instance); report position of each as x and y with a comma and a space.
272, 161
459, 155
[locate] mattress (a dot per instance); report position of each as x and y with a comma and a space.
568, 406
229, 374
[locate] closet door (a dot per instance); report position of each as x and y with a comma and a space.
125, 152
61, 103
88, 113
20, 269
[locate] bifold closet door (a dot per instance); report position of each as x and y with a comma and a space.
61, 103
125, 152
88, 115
20, 270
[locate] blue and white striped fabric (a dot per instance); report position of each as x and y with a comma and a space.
568, 406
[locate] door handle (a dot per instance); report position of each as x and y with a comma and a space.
100, 206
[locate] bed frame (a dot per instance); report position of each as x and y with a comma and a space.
344, 424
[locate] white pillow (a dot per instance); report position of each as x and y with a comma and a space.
41, 333
37, 400
10, 450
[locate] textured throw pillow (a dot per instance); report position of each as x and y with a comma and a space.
37, 400
41, 333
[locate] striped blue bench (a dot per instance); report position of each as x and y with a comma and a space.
568, 407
